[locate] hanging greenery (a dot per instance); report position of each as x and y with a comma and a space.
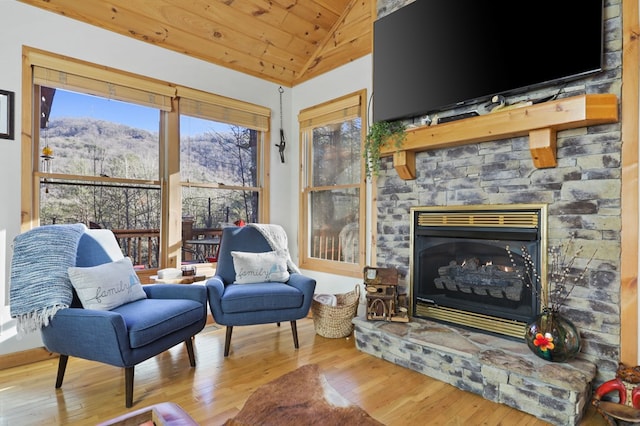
380, 134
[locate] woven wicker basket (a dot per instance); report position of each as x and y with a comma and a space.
335, 321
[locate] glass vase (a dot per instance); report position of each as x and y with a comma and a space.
553, 337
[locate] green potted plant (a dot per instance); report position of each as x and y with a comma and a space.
380, 134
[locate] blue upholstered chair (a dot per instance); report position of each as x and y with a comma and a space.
235, 304
128, 334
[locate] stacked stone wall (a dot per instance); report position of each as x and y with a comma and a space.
583, 194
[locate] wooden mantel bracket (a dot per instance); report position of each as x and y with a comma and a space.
540, 121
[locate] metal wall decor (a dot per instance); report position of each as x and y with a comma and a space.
282, 143
6, 114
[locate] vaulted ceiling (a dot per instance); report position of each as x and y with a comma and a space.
283, 41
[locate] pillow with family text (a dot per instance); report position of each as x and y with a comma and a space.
107, 286
260, 267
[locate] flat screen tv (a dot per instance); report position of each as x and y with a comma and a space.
433, 55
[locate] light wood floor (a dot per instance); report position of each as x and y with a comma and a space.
217, 388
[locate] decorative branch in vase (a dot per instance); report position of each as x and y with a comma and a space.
551, 335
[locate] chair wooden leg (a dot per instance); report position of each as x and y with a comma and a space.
62, 367
192, 356
128, 386
227, 340
294, 331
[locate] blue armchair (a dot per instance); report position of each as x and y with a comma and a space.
128, 334
234, 304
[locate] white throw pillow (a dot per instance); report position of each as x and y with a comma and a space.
107, 286
260, 267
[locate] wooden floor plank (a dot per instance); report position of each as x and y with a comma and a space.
218, 387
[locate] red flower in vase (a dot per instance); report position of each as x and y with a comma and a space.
544, 342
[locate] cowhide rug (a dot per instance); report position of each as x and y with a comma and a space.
301, 397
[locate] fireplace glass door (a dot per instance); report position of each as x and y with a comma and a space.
462, 272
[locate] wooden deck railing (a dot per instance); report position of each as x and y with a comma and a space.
198, 233
329, 246
326, 246
143, 245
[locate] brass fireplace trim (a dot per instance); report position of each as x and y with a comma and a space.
498, 325
489, 215
486, 216
516, 219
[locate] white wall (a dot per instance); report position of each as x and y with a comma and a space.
25, 25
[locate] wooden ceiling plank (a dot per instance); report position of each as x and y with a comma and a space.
334, 6
350, 50
310, 11
349, 42
283, 19
173, 15
254, 27
345, 54
303, 30
356, 30
105, 15
284, 41
243, 15
361, 10
274, 12
233, 38
313, 61
113, 17
224, 53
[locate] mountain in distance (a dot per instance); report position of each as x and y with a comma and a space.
93, 147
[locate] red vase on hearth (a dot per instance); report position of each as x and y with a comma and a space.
553, 337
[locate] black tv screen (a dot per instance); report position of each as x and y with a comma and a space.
433, 55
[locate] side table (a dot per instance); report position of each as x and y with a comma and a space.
181, 280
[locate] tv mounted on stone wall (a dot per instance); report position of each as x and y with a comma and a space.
434, 55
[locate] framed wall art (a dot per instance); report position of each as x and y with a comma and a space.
6, 114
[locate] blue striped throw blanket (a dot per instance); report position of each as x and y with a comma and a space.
40, 284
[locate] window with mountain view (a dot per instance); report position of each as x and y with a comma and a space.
110, 150
99, 165
219, 173
333, 186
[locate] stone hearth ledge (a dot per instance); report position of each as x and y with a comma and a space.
499, 369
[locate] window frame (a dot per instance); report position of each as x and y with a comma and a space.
226, 110
169, 140
330, 112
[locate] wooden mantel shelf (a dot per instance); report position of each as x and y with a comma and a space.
539, 121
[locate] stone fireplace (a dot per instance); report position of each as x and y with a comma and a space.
469, 306
461, 271
480, 166
581, 195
